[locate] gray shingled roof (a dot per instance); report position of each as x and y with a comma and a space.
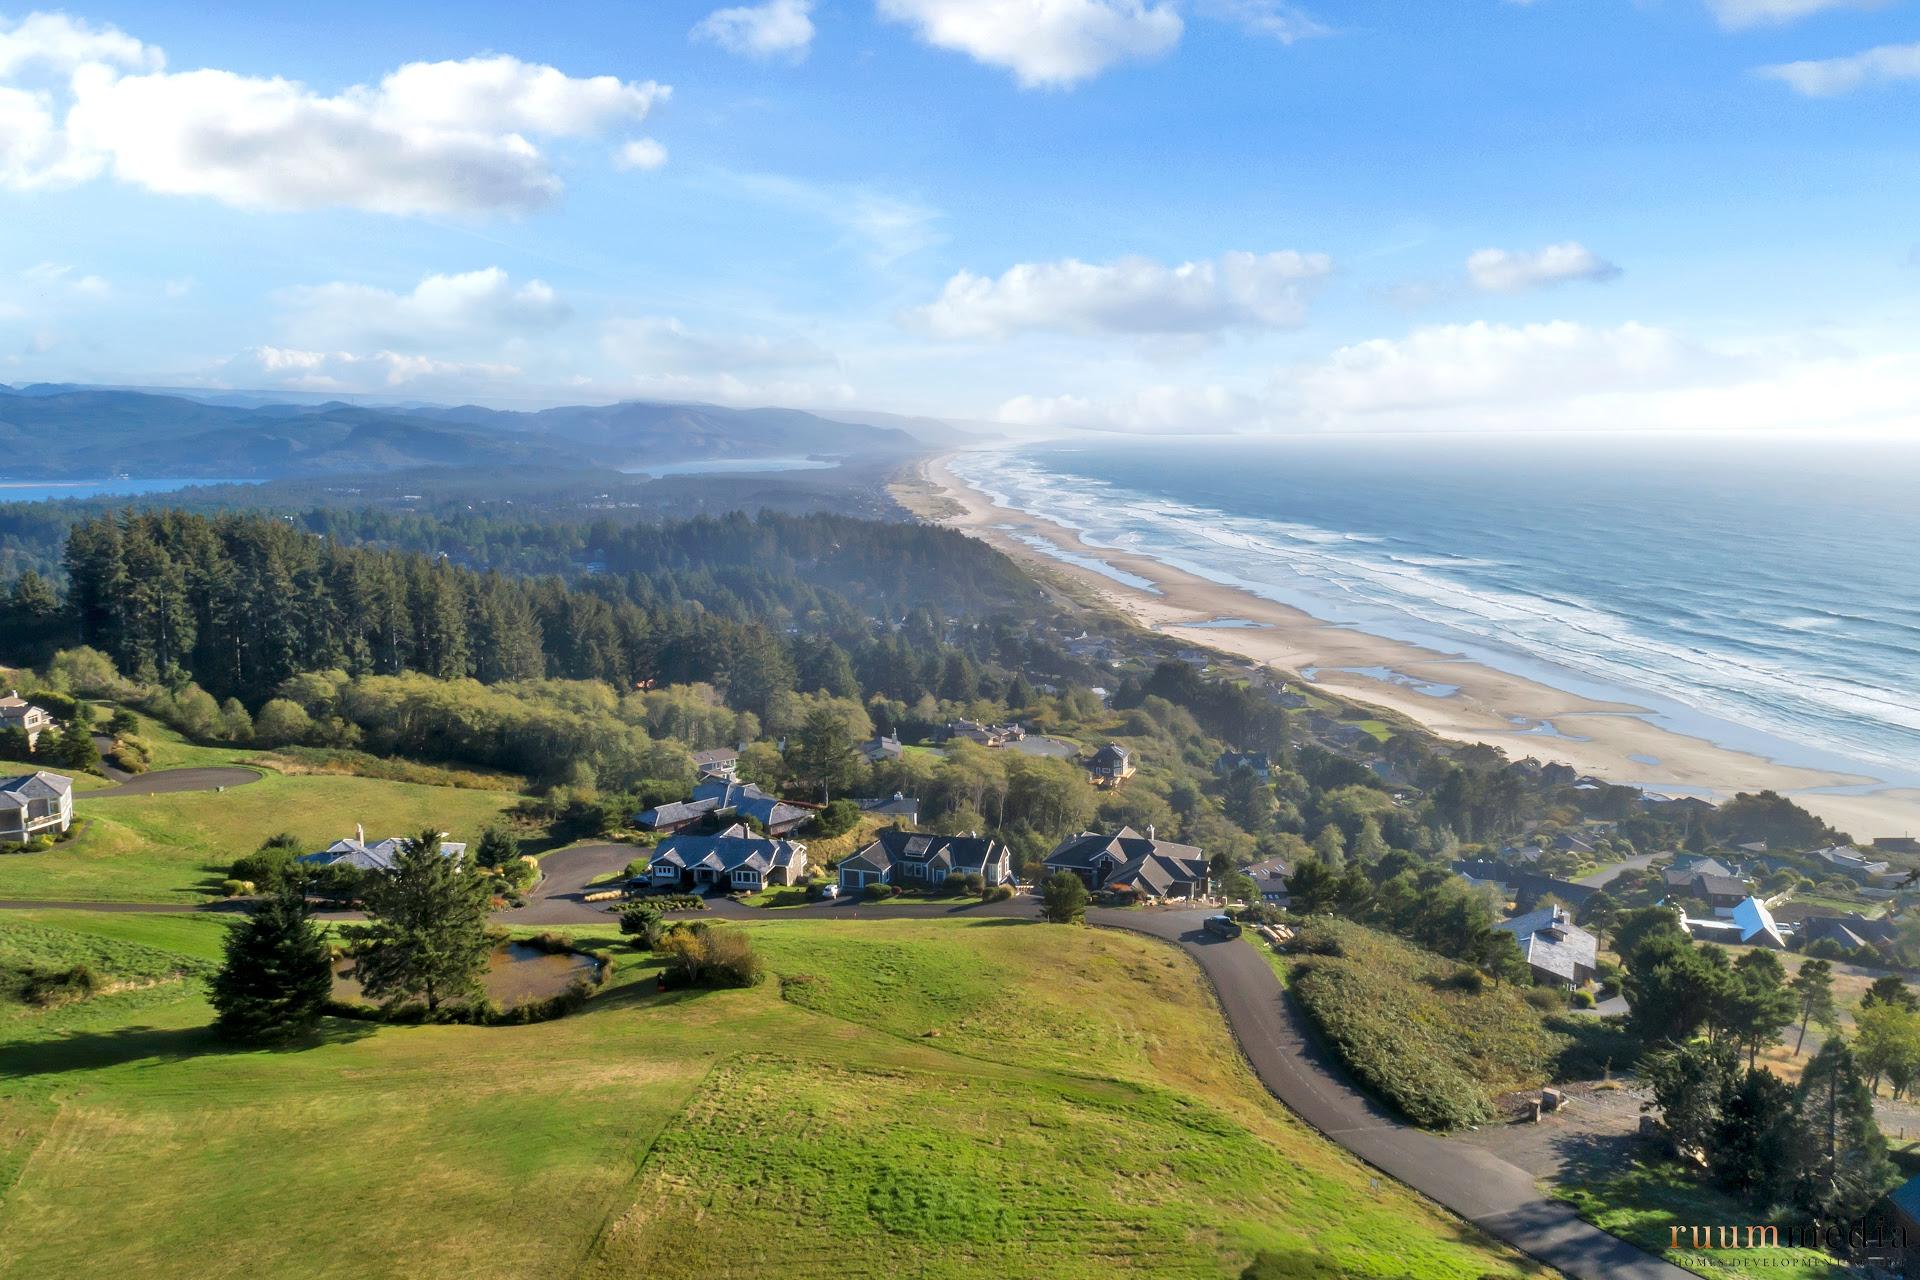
1551, 942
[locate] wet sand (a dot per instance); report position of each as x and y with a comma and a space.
1609, 740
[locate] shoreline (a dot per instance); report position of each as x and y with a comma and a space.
1610, 740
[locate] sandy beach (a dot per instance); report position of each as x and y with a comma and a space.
1608, 740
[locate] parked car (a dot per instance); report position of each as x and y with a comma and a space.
1222, 926
829, 891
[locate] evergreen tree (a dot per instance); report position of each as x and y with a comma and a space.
821, 754
1759, 1005
1889, 989
74, 748
498, 845
1063, 899
426, 937
1813, 990
278, 975
1752, 1150
1843, 1159
1330, 846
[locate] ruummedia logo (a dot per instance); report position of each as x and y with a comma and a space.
1861, 1241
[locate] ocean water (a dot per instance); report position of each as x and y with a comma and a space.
1760, 592
48, 491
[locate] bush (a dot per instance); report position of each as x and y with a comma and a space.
48, 987
1546, 999
878, 891
699, 956
234, 888
836, 819
998, 893
964, 885
1414, 1034
1583, 999
641, 922
268, 864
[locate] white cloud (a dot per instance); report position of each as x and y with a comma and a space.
55, 42
886, 226
1736, 15
641, 153
54, 278
1509, 271
1828, 77
441, 310
430, 138
1275, 19
346, 371
1158, 409
1043, 42
1131, 296
776, 29
659, 345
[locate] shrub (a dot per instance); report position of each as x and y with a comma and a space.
638, 867
836, 819
234, 888
1583, 999
640, 921
268, 864
1546, 999
998, 893
697, 955
878, 891
47, 987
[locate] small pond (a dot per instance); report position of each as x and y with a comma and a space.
517, 974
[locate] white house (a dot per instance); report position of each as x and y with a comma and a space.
17, 713
35, 804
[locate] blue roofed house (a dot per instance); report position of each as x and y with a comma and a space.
735, 860
1128, 860
717, 797
909, 858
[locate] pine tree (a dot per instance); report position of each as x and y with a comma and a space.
1063, 899
427, 933
1843, 1166
75, 748
278, 974
497, 846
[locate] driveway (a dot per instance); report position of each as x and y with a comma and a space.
1608, 874
163, 782
559, 897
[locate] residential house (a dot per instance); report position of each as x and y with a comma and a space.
1850, 862
716, 762
718, 797
987, 735
35, 804
1111, 765
1749, 924
1231, 762
355, 852
1556, 949
1522, 885
17, 713
904, 810
735, 860
1897, 844
1851, 930
1722, 893
909, 858
1270, 878
1129, 860
885, 746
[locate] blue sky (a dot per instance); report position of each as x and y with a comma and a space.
1183, 215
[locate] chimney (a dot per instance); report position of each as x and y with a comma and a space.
360, 832
1149, 831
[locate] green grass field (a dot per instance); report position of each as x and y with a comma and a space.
176, 848
1644, 1202
982, 1098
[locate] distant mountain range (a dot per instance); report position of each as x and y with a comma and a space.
52, 432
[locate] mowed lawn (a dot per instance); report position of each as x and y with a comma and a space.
177, 848
1081, 1111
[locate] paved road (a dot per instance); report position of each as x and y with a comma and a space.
1493, 1194
169, 781
1607, 875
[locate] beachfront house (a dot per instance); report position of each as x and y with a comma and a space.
1127, 860
354, 851
1558, 951
911, 859
735, 860
1850, 862
1111, 765
35, 804
17, 713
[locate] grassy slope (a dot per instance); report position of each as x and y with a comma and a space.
1082, 1111
176, 848
1643, 1203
